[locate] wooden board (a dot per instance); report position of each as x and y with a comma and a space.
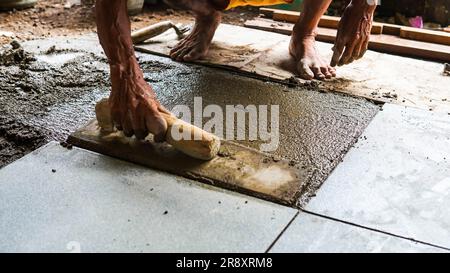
236, 168
411, 33
378, 76
383, 43
325, 21
431, 36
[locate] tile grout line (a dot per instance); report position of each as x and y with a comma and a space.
375, 230
282, 232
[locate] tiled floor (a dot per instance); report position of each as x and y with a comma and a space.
393, 186
101, 204
310, 233
59, 200
396, 179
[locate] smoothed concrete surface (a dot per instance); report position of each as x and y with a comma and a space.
315, 129
314, 234
396, 179
60, 200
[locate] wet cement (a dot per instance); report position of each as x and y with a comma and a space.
316, 128
45, 95
54, 95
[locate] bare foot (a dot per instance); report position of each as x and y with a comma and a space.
196, 44
310, 64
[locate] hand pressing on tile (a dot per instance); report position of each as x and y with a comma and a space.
354, 30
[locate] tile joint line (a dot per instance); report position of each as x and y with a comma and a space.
282, 232
375, 230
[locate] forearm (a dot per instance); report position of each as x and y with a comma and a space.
114, 32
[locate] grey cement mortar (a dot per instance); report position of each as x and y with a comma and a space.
45, 96
48, 98
316, 129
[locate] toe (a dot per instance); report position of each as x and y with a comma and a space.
195, 54
304, 71
178, 49
332, 70
326, 72
178, 46
182, 52
318, 73
174, 54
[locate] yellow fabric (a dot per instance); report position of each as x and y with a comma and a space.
239, 3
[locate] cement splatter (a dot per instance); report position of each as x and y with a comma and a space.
33, 86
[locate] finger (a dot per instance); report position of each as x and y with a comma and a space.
358, 48
347, 53
337, 52
127, 125
364, 47
128, 132
139, 127
163, 109
116, 120
157, 126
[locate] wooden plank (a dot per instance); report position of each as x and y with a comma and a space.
325, 21
237, 167
267, 12
391, 29
383, 43
323, 34
425, 35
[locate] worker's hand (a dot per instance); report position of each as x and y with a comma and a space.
353, 34
135, 109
